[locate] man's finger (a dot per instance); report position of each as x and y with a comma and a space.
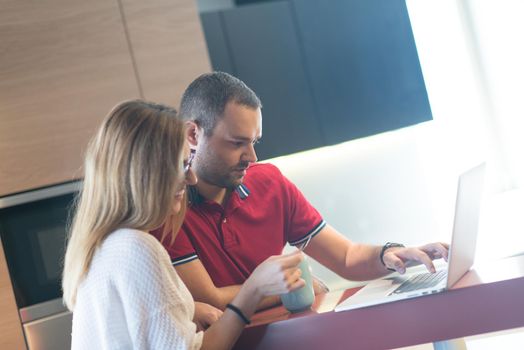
394, 262
425, 259
443, 251
437, 250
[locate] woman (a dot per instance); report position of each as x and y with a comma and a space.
118, 279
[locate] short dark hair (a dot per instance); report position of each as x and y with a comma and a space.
205, 99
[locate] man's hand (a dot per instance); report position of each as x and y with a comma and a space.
398, 258
205, 315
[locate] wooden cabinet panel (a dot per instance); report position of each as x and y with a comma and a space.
63, 65
11, 335
168, 46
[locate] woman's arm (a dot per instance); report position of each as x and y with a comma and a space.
277, 275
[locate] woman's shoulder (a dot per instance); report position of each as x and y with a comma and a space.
130, 238
132, 247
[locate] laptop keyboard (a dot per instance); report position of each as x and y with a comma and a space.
421, 281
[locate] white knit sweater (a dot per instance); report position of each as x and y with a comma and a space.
132, 298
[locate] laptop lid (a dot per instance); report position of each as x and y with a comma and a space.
465, 224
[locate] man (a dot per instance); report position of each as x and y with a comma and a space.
240, 213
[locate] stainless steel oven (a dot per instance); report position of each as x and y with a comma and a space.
33, 234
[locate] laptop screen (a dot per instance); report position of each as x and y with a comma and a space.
465, 226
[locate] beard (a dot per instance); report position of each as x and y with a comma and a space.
212, 171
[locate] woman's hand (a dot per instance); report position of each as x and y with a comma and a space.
278, 274
205, 315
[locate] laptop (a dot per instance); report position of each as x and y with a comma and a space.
460, 258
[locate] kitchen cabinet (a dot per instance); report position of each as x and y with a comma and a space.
326, 71
266, 55
168, 46
363, 65
217, 42
64, 64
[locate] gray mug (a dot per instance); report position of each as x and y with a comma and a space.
300, 299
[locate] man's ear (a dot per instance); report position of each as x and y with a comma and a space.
193, 133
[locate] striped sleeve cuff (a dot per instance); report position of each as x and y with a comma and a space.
310, 234
184, 259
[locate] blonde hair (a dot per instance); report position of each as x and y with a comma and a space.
132, 170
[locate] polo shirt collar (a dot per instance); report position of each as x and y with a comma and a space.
194, 196
243, 191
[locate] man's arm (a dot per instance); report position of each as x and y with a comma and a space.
360, 262
203, 289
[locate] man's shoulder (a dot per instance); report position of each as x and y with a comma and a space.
264, 178
264, 169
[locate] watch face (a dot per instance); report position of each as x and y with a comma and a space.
392, 245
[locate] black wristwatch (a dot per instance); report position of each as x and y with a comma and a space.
386, 247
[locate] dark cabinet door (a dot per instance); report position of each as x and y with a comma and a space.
326, 71
217, 43
264, 52
363, 65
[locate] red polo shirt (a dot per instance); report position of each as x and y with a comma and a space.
264, 213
